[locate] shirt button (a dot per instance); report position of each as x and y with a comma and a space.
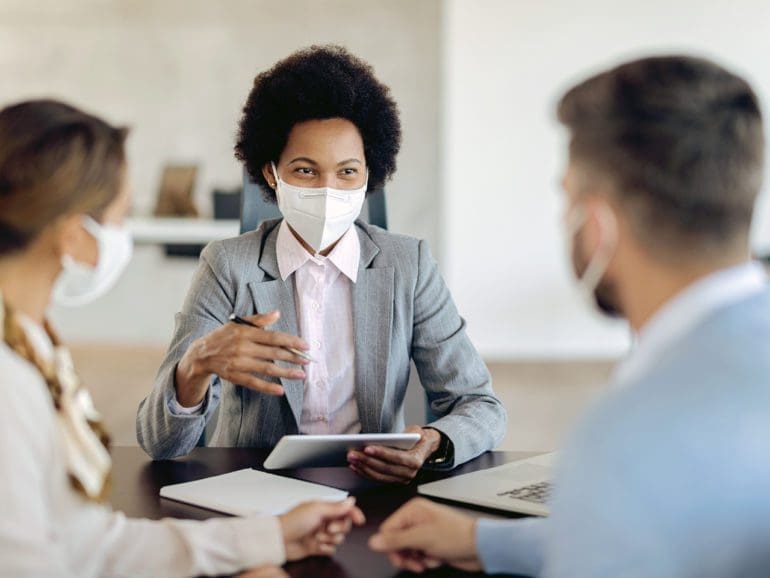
315, 306
316, 344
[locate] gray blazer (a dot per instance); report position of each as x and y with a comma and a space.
402, 311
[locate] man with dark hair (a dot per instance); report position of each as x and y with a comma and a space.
668, 474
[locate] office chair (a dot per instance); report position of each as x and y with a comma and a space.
255, 209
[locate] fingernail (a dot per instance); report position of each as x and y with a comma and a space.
352, 457
369, 451
298, 374
376, 541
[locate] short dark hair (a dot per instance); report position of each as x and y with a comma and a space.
55, 160
681, 141
319, 82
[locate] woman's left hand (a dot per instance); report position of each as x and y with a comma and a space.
393, 465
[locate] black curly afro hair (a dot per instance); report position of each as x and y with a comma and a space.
319, 82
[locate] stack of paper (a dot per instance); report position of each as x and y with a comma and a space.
248, 492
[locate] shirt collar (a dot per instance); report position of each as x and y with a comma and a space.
688, 308
292, 255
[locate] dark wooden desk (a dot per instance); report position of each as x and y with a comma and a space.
137, 481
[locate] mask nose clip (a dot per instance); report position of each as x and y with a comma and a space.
312, 194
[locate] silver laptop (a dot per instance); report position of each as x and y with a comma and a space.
522, 486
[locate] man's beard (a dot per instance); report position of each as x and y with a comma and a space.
604, 294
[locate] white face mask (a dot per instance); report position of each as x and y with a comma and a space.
78, 283
319, 215
592, 275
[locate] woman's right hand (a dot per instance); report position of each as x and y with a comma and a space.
240, 354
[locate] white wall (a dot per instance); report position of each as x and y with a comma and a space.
178, 73
506, 63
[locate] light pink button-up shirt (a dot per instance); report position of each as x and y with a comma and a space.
324, 302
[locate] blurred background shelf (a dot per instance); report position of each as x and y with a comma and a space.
181, 231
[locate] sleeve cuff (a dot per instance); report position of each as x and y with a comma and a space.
260, 541
511, 546
177, 408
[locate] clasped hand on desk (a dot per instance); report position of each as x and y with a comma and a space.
422, 535
313, 529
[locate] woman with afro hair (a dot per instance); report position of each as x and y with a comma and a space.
318, 132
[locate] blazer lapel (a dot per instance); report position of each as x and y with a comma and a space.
372, 328
269, 295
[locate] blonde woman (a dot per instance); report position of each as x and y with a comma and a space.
63, 198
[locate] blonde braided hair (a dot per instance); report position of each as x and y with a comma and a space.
16, 339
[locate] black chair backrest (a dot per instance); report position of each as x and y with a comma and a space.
255, 209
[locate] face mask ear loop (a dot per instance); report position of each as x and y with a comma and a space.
93, 228
575, 220
608, 242
91, 225
275, 173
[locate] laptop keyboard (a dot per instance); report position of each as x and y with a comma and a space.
537, 493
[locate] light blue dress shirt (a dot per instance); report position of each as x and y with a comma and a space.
669, 474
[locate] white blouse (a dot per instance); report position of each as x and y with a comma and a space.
48, 529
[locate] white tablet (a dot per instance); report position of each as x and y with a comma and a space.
308, 451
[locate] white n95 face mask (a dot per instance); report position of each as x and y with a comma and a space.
319, 215
79, 283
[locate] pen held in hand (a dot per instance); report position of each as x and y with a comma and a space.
241, 321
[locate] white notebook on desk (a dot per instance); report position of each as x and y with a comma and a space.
248, 492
